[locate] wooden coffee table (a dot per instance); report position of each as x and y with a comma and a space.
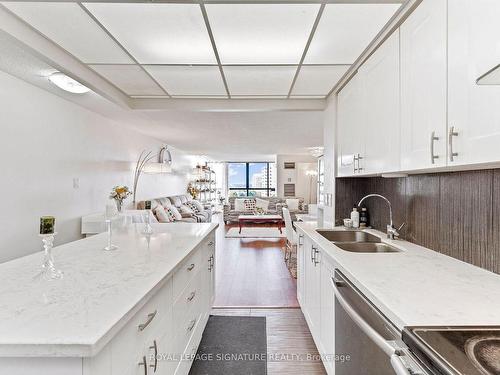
261, 219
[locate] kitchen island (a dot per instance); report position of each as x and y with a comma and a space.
142, 307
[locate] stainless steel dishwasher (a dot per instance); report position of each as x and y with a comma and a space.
363, 333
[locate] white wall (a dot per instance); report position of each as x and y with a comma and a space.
45, 143
329, 139
295, 176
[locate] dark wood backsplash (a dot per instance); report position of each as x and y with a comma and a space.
455, 213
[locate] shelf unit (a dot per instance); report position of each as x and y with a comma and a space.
205, 183
321, 180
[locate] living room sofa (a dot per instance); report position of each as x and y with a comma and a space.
178, 201
275, 208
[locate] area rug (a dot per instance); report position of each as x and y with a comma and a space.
252, 232
232, 345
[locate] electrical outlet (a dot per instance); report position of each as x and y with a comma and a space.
76, 183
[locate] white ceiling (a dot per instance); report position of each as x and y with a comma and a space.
215, 50
218, 135
232, 135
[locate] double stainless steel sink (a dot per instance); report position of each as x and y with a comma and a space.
357, 241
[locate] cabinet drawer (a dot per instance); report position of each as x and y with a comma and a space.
186, 326
132, 342
189, 298
188, 269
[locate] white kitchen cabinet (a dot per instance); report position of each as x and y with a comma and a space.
301, 293
380, 131
313, 288
315, 295
327, 316
211, 272
369, 116
350, 122
424, 86
473, 110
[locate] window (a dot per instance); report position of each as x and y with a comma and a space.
251, 179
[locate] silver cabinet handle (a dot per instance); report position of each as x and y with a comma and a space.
315, 252
359, 165
433, 139
211, 263
312, 254
145, 364
191, 296
398, 365
151, 316
155, 347
360, 322
452, 133
355, 159
191, 266
191, 325
301, 237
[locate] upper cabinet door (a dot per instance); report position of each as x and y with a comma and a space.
474, 111
350, 128
423, 86
379, 76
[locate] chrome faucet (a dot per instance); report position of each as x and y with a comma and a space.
392, 233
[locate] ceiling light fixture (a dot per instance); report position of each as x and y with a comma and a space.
66, 83
317, 151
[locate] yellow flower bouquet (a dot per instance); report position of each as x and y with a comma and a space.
119, 194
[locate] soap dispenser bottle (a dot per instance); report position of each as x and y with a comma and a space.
355, 217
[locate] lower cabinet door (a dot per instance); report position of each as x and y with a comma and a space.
300, 269
327, 317
313, 285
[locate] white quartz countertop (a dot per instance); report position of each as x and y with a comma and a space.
77, 315
418, 286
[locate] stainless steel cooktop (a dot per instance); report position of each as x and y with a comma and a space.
456, 350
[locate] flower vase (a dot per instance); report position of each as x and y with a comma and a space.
119, 205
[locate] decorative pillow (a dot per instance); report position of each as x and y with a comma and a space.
173, 213
186, 209
292, 204
192, 207
165, 202
249, 204
262, 204
176, 201
161, 215
198, 205
239, 204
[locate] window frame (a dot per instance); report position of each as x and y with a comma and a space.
247, 187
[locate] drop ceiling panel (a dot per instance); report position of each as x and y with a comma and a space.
189, 80
318, 80
158, 33
345, 30
259, 80
261, 33
70, 27
131, 79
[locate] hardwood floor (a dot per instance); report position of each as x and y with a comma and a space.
290, 346
251, 272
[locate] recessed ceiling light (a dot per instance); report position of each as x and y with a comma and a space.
66, 83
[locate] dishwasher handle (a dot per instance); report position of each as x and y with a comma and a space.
398, 365
382, 343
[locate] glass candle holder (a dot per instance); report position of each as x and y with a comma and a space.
49, 271
109, 246
148, 229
